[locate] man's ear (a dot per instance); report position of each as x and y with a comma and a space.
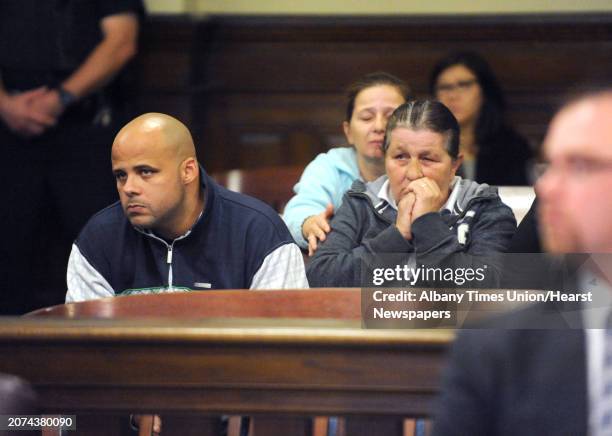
189, 170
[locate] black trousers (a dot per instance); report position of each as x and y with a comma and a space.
50, 185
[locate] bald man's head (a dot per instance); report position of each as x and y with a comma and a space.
157, 131
157, 173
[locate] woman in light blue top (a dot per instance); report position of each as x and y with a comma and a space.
319, 192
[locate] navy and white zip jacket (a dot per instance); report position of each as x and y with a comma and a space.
237, 243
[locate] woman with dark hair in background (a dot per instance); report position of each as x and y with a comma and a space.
318, 194
493, 152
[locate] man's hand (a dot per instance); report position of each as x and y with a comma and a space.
22, 116
49, 103
429, 198
316, 227
147, 424
405, 208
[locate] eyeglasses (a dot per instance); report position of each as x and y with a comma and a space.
578, 167
461, 86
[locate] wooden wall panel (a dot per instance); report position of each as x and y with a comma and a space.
164, 67
261, 91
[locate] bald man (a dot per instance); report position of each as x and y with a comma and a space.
547, 369
174, 228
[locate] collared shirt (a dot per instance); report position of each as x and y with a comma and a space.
595, 314
386, 197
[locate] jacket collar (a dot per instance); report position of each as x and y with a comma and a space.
464, 192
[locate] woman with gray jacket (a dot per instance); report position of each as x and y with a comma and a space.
419, 207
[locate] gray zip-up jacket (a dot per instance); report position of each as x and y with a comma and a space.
480, 224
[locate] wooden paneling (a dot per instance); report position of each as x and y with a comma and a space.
261, 91
272, 185
225, 366
163, 70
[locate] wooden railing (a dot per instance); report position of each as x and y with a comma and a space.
281, 357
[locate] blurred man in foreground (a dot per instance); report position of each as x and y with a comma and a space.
547, 369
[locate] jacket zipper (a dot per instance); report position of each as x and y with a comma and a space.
169, 262
169, 248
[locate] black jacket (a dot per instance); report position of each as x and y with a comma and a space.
505, 381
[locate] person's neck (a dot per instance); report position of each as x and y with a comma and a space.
370, 169
193, 210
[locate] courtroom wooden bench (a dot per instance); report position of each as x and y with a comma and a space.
294, 354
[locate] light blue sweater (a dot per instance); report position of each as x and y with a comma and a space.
324, 181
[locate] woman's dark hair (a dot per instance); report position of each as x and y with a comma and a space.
370, 80
491, 116
425, 115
